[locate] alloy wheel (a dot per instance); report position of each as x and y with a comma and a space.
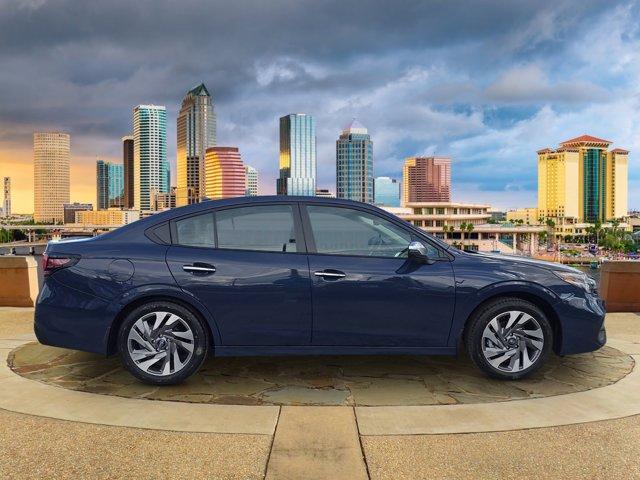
512, 341
160, 343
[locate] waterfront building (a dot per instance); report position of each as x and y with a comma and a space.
354, 164
51, 161
426, 179
150, 165
446, 219
386, 192
127, 162
297, 155
6, 205
582, 181
252, 181
225, 173
529, 216
109, 185
196, 131
110, 217
324, 192
70, 210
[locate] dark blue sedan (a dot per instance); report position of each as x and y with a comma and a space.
304, 276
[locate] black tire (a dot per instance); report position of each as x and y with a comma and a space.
478, 322
200, 347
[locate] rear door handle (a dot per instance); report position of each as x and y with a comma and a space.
199, 269
330, 274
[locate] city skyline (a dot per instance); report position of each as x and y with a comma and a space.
417, 95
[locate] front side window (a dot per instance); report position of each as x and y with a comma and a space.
344, 231
268, 228
196, 231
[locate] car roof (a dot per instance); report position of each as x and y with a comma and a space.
208, 204
167, 215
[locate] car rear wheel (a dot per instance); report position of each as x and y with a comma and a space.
509, 338
162, 343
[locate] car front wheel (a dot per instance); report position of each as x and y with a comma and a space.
162, 343
509, 338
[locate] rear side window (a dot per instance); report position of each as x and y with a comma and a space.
197, 231
268, 228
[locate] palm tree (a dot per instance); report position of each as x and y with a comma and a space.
550, 226
470, 228
463, 228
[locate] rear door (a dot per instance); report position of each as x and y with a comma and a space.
248, 265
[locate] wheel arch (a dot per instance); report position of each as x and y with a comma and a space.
539, 301
112, 336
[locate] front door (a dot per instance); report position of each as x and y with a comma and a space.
248, 266
366, 292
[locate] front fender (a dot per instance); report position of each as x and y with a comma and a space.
165, 291
468, 299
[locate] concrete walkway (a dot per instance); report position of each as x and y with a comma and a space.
587, 434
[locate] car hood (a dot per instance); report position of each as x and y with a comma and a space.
514, 260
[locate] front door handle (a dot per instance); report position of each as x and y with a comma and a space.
330, 274
199, 269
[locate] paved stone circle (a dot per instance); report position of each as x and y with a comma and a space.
331, 380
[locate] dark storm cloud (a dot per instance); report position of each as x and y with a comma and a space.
419, 74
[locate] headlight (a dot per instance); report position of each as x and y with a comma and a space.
579, 280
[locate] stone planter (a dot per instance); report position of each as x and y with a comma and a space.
620, 286
18, 281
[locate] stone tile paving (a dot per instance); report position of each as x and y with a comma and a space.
334, 380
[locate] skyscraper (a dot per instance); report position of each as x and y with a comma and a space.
51, 159
252, 181
582, 181
109, 185
7, 197
354, 164
225, 173
196, 131
426, 179
387, 192
127, 162
150, 165
297, 155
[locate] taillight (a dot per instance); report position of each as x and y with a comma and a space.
51, 263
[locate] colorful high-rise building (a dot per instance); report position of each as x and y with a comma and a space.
387, 192
51, 161
354, 164
150, 165
225, 173
6, 205
426, 179
127, 162
582, 181
297, 155
196, 131
252, 181
109, 185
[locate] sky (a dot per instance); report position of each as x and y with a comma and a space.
485, 82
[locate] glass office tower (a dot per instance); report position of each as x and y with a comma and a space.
387, 192
151, 168
109, 185
354, 164
196, 131
297, 155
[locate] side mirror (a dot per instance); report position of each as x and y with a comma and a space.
418, 252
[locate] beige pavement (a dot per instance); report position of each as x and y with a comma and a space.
318, 442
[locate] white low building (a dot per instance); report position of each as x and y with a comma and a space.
445, 219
